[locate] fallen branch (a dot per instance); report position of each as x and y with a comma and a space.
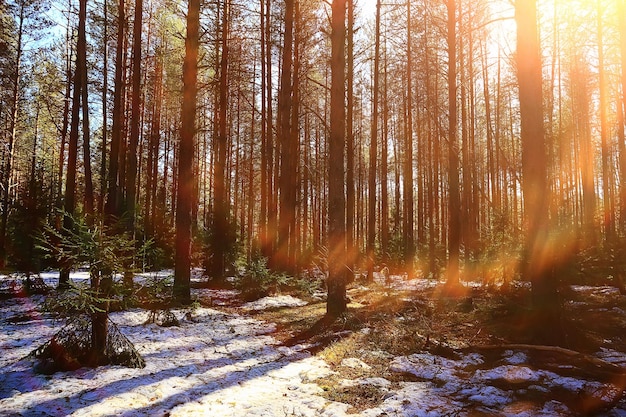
599, 365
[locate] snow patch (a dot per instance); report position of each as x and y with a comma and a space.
277, 301
355, 363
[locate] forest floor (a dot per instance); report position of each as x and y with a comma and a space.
403, 349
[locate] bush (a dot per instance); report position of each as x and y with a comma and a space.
258, 281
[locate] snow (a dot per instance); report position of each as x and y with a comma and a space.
355, 363
221, 364
229, 364
278, 301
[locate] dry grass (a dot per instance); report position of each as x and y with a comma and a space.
382, 323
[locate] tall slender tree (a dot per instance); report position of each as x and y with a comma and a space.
373, 155
220, 203
111, 207
407, 188
288, 144
350, 190
182, 269
135, 121
536, 266
454, 208
337, 262
607, 195
622, 105
69, 198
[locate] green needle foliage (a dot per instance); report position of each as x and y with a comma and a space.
98, 247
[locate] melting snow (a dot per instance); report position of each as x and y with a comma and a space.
278, 301
220, 364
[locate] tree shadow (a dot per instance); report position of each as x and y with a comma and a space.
241, 356
321, 334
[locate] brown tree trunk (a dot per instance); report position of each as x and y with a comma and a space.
112, 204
537, 263
607, 195
105, 109
338, 272
622, 106
373, 156
182, 268
88, 198
266, 131
287, 190
454, 205
408, 221
135, 124
220, 203
350, 191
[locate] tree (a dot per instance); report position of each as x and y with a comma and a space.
536, 266
221, 207
622, 106
69, 202
337, 274
408, 225
350, 151
288, 137
454, 210
607, 195
112, 205
26, 20
135, 121
182, 269
373, 155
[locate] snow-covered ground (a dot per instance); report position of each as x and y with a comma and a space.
220, 364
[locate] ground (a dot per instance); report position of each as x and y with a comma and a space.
404, 349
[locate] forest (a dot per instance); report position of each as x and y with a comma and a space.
450, 174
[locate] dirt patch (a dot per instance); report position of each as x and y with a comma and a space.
383, 323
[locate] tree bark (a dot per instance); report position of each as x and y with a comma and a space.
373, 155
408, 220
350, 191
337, 274
182, 268
607, 195
135, 122
536, 266
287, 191
454, 204
112, 204
220, 203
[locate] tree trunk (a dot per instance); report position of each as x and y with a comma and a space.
220, 203
607, 195
182, 268
337, 274
81, 51
105, 107
69, 202
408, 223
537, 263
622, 106
350, 191
288, 165
373, 155
454, 205
135, 125
112, 203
